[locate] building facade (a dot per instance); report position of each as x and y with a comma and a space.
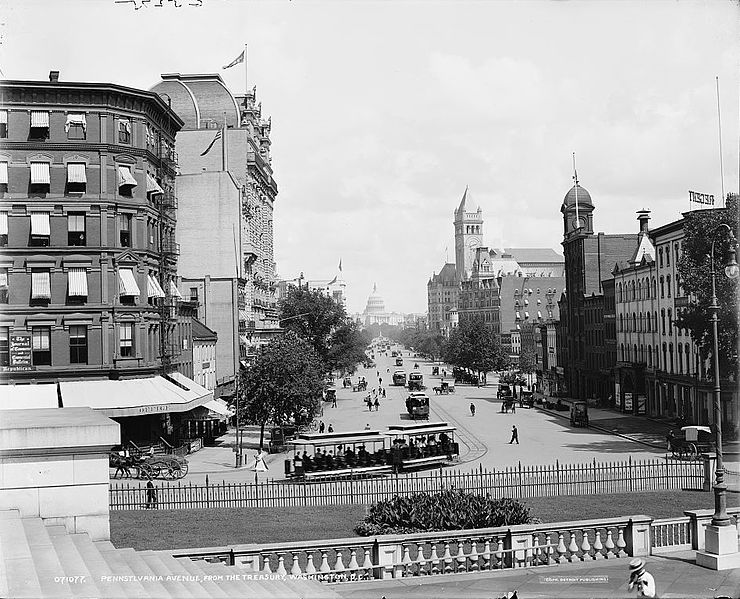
204, 355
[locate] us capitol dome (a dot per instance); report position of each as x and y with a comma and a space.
375, 311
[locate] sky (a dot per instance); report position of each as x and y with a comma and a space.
383, 112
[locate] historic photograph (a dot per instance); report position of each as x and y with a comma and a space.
369, 299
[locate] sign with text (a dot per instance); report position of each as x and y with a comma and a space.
20, 351
701, 198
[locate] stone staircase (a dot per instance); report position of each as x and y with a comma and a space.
39, 560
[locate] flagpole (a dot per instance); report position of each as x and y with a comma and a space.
224, 155
246, 77
575, 178
721, 167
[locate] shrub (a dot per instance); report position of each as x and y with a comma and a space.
450, 509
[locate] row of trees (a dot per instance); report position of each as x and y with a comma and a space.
286, 381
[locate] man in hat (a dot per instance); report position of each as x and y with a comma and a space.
641, 578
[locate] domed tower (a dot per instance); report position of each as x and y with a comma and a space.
468, 237
577, 210
375, 303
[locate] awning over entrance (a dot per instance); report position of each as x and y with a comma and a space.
219, 406
26, 397
136, 397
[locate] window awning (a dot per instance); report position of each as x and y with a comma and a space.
40, 223
136, 397
28, 397
40, 118
243, 315
3, 117
174, 291
41, 285
40, 173
3, 223
77, 120
76, 172
243, 340
526, 315
77, 282
4, 172
539, 314
127, 282
152, 186
153, 288
125, 177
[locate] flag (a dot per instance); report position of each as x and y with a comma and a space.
334, 280
215, 139
239, 59
340, 265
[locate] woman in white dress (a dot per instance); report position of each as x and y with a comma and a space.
259, 463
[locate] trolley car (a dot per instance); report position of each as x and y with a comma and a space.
336, 455
422, 445
416, 381
417, 406
399, 378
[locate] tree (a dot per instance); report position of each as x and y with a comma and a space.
473, 345
347, 346
695, 280
527, 361
284, 385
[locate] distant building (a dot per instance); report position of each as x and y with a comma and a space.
375, 312
204, 355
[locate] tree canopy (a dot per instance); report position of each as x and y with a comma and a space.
475, 346
423, 341
700, 228
347, 347
284, 385
527, 361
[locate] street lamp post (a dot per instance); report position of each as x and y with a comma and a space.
721, 547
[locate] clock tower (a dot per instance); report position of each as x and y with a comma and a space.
577, 212
468, 237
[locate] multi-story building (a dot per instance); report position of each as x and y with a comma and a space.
442, 299
88, 263
204, 355
225, 180
610, 337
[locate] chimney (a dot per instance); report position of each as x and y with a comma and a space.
54, 76
643, 216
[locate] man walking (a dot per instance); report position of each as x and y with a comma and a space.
321, 426
334, 400
514, 435
151, 495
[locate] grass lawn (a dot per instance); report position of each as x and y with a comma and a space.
179, 529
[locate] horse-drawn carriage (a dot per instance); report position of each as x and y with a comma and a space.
144, 466
361, 385
692, 442
444, 388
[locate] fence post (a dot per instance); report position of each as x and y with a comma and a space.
596, 490
637, 536
520, 479
629, 471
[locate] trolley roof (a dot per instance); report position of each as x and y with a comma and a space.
428, 428
350, 437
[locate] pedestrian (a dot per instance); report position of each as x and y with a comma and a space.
380, 380
369, 401
367, 426
151, 496
334, 400
472, 409
641, 579
376, 404
321, 426
513, 406
670, 437
514, 435
383, 393
331, 429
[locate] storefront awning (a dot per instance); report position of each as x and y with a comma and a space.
219, 406
136, 397
22, 397
77, 282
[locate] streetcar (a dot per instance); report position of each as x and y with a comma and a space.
399, 378
338, 455
422, 445
416, 381
399, 361
417, 405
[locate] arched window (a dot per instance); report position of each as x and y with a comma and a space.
619, 292
634, 322
680, 359
647, 321
670, 357
654, 293
647, 288
660, 257
635, 350
622, 352
688, 358
662, 287
650, 356
639, 289
621, 322
655, 321
668, 255
662, 321
668, 285
670, 322
665, 357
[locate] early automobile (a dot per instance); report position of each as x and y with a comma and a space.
579, 413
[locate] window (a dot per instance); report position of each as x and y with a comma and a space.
77, 285
76, 229
4, 346
126, 181
660, 257
76, 126
662, 287
3, 229
662, 321
125, 230
3, 285
39, 124
126, 336
40, 230
3, 123
78, 344
668, 255
41, 285
4, 176
668, 285
76, 177
41, 346
40, 178
670, 322
193, 294
124, 131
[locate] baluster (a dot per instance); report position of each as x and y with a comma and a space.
310, 567
296, 569
367, 564
281, 565
406, 562
266, 564
572, 547
550, 549
500, 553
561, 549
474, 566
434, 558
487, 554
353, 566
585, 547
421, 562
609, 544
620, 542
460, 557
324, 567
598, 547
447, 557
536, 551
339, 569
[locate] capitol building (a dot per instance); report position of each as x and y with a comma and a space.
375, 313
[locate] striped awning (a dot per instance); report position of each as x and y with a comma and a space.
125, 177
243, 315
41, 284
40, 223
3, 117
153, 288
3, 223
4, 172
77, 282
127, 282
174, 291
152, 186
75, 120
40, 173
76, 172
243, 340
40, 118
